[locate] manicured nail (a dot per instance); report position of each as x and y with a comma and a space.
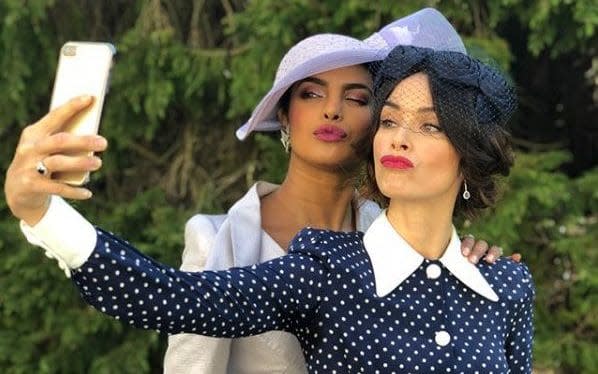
100, 141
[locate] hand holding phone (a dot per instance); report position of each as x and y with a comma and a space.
83, 69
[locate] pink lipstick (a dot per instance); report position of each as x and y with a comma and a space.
396, 162
330, 133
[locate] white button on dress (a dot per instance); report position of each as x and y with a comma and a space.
442, 338
433, 271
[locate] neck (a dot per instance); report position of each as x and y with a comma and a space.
317, 197
426, 226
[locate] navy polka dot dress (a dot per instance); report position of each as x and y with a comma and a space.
323, 291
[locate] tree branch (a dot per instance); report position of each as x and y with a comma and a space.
195, 35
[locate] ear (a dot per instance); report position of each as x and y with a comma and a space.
282, 117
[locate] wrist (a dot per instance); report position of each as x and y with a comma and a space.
32, 216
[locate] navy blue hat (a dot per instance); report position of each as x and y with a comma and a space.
481, 92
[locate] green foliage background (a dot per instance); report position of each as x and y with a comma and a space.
189, 72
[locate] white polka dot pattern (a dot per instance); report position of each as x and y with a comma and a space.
323, 291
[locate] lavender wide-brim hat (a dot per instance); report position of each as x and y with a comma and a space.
313, 55
323, 52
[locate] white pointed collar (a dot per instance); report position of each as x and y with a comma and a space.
394, 260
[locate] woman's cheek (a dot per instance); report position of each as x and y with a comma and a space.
379, 145
377, 149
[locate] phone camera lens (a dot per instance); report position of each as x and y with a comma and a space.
69, 50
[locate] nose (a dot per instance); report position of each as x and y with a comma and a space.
401, 139
333, 110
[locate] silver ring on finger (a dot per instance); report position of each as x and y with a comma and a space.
41, 168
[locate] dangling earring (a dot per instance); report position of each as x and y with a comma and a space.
466, 194
285, 138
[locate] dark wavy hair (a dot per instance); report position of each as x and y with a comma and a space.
473, 103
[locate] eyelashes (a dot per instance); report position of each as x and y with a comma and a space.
308, 94
359, 99
422, 127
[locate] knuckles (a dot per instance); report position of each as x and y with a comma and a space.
481, 245
27, 133
60, 189
23, 150
61, 139
494, 250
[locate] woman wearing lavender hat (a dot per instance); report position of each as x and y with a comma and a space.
321, 95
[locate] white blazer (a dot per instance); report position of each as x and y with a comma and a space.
217, 242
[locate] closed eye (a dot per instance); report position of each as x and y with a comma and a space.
358, 101
361, 100
309, 94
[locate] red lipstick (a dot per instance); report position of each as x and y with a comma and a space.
396, 162
330, 133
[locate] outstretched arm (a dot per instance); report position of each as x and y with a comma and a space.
120, 281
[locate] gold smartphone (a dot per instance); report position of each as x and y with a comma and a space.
83, 69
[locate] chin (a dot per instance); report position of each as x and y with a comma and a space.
334, 155
393, 188
338, 165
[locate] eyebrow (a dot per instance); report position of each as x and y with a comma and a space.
419, 110
346, 86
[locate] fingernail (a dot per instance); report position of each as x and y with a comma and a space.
87, 194
490, 259
101, 141
466, 251
473, 259
85, 98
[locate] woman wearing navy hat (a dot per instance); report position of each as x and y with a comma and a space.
314, 172
322, 99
